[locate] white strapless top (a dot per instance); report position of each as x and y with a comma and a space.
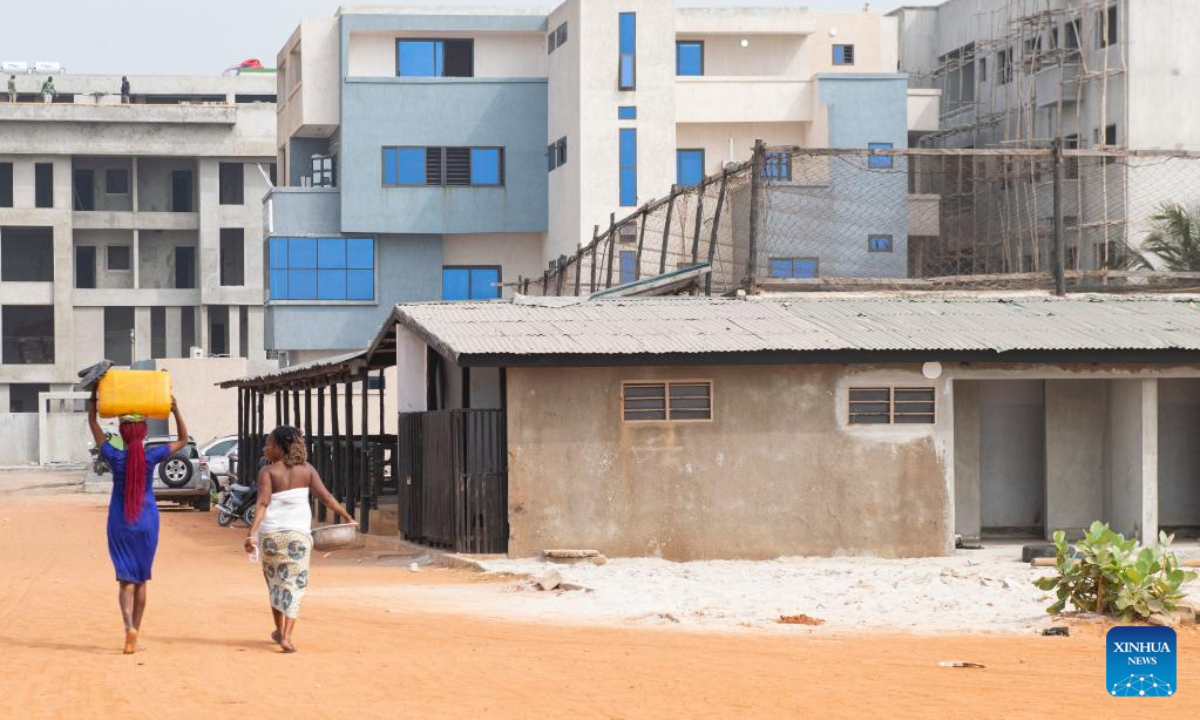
288, 510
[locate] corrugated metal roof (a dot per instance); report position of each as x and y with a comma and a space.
862, 322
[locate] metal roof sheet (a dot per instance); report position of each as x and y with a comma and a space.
810, 322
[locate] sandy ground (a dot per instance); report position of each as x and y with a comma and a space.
377, 640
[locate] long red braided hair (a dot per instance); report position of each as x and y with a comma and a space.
134, 433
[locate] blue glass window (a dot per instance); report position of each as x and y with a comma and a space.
628, 160
420, 58
843, 54
777, 167
689, 167
879, 243
689, 57
322, 268
627, 112
628, 266
879, 162
627, 41
470, 283
794, 267
485, 166
403, 166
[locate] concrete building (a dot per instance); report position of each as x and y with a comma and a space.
128, 231
1092, 74
457, 151
809, 425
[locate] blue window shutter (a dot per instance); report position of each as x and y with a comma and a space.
279, 288
302, 284
839, 54
331, 253
485, 166
279, 252
689, 167
804, 268
781, 268
411, 163
360, 253
628, 166
627, 112
689, 58
627, 47
302, 253
456, 284
879, 162
360, 284
391, 166
331, 284
628, 266
483, 283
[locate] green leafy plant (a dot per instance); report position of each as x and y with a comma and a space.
1174, 242
1110, 575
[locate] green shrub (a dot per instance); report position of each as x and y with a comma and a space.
1107, 574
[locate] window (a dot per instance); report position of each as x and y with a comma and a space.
1106, 26
982, 69
116, 181
23, 397
1004, 72
628, 167
28, 334
879, 243
158, 332
479, 166
26, 254
375, 382
470, 283
879, 162
777, 167
1110, 134
85, 266
120, 257
185, 267
627, 112
556, 152
556, 39
232, 184
233, 257
6, 185
1074, 33
335, 269
843, 54
43, 182
435, 58
324, 171
627, 47
628, 266
689, 58
674, 401
689, 167
891, 406
794, 267
118, 335
627, 234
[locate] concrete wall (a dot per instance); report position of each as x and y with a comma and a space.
518, 255
304, 211
1133, 458
1012, 454
777, 472
210, 411
1178, 453
504, 55
1076, 462
734, 142
20, 431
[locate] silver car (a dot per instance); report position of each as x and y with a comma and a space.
183, 477
221, 452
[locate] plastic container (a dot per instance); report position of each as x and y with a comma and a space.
141, 392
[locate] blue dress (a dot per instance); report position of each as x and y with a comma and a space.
132, 546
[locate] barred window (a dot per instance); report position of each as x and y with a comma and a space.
891, 406
659, 401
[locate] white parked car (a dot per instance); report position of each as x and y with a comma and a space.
218, 451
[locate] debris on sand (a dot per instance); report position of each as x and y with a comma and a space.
548, 580
1057, 631
961, 664
800, 619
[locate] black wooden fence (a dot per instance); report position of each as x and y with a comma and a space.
454, 479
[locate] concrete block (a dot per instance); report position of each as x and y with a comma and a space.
572, 557
548, 580
460, 562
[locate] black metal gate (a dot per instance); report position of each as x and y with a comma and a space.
454, 479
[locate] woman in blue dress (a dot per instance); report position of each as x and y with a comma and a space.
132, 512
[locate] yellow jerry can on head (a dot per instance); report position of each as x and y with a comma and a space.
130, 392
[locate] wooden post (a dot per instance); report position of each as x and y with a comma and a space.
756, 179
578, 269
712, 242
382, 396
1060, 262
322, 464
594, 247
335, 439
349, 436
308, 436
699, 224
364, 470
662, 260
612, 247
258, 437
637, 264
296, 408
278, 407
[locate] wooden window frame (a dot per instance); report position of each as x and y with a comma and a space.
666, 385
891, 401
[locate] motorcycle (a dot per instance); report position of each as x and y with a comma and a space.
237, 501
99, 464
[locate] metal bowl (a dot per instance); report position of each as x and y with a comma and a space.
332, 537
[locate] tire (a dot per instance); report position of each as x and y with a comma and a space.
224, 519
248, 516
175, 472
204, 504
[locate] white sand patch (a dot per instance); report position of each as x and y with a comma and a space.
986, 590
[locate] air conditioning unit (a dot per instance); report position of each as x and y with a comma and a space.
48, 68
197, 353
14, 67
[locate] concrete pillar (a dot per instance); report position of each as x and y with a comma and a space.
1076, 425
411, 356
141, 333
255, 334
235, 331
208, 254
174, 330
967, 518
133, 185
202, 328
136, 253
1132, 488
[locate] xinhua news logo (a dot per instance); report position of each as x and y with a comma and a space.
1141, 662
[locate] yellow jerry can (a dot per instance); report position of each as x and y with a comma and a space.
129, 392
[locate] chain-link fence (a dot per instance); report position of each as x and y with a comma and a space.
796, 218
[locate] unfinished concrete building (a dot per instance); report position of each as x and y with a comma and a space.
1090, 74
127, 231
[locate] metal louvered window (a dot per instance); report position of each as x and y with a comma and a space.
682, 401
892, 406
460, 166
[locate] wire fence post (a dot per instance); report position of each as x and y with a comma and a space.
1060, 263
712, 243
593, 247
756, 179
662, 258
612, 248
637, 263
699, 223
578, 269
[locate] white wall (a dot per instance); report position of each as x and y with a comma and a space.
734, 142
519, 255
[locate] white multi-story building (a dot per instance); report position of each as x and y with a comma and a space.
127, 231
459, 149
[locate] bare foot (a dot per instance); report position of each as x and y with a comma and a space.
131, 643
287, 646
276, 637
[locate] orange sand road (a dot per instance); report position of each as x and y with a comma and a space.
207, 653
